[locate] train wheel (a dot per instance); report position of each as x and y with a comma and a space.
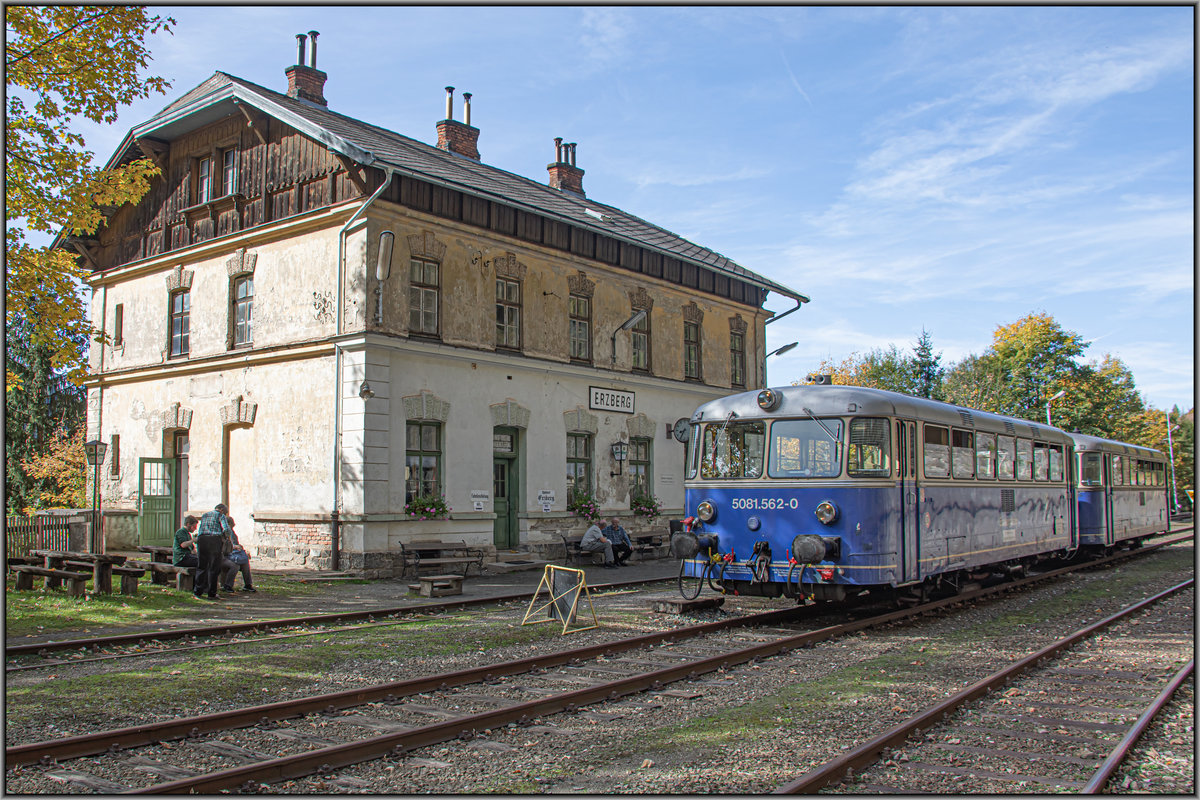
686, 581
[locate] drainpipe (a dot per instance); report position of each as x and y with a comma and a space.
97, 535
335, 523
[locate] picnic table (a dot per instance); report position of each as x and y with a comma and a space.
102, 566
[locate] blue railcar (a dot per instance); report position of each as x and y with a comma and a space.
824, 491
1122, 491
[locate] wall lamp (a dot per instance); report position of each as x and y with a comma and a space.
365, 391
383, 270
620, 452
637, 317
1061, 393
778, 351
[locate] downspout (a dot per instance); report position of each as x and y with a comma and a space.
97, 535
335, 523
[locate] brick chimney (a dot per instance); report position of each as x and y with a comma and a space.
306, 83
564, 175
458, 137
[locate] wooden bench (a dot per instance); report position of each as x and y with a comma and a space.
129, 578
577, 555
440, 585
185, 577
159, 555
101, 565
419, 554
75, 580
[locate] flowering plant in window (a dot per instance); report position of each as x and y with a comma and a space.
430, 506
585, 506
646, 506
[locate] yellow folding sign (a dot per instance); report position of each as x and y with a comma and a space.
564, 587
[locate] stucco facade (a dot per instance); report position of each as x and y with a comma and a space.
306, 427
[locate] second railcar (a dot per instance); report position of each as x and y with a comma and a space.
1122, 491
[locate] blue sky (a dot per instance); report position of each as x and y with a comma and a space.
908, 168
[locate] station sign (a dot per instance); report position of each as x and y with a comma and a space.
601, 399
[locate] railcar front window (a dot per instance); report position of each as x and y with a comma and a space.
867, 454
802, 448
1006, 453
733, 450
1089, 469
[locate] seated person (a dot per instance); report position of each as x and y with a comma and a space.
622, 547
234, 561
183, 550
594, 541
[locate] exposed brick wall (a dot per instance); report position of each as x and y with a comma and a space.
455, 137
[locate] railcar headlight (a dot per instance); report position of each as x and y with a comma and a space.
827, 513
706, 511
768, 400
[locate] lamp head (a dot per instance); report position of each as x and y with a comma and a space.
634, 320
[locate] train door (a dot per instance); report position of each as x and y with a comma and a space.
910, 534
1109, 523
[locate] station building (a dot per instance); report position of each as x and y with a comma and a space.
318, 321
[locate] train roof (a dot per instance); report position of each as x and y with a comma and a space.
837, 400
1083, 442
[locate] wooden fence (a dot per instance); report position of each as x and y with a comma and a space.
43, 532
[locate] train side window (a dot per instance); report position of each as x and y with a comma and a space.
1160, 474
1041, 461
1024, 460
1056, 462
962, 453
867, 453
985, 455
1118, 471
1006, 454
937, 452
1089, 470
802, 448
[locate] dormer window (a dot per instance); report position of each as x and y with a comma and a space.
228, 171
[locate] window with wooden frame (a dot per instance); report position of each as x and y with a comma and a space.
242, 297
580, 313
118, 339
181, 304
203, 180
691, 351
423, 295
228, 171
579, 465
508, 313
641, 343
640, 477
737, 359
423, 460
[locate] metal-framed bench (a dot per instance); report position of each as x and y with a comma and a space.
418, 554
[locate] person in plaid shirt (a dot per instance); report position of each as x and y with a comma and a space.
213, 527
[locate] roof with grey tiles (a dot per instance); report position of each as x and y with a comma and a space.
421, 160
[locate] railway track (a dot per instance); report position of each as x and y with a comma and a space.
288, 742
152, 642
1062, 718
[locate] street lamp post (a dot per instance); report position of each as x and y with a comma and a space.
1061, 393
95, 451
1171, 456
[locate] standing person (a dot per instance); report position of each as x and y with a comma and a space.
593, 541
235, 560
621, 546
213, 528
183, 550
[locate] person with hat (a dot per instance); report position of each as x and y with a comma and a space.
214, 528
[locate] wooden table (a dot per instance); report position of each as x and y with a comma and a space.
102, 566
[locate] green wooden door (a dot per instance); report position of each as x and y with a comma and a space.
505, 489
156, 501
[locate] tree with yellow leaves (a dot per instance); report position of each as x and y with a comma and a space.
62, 63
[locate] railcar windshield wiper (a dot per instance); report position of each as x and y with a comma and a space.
828, 432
